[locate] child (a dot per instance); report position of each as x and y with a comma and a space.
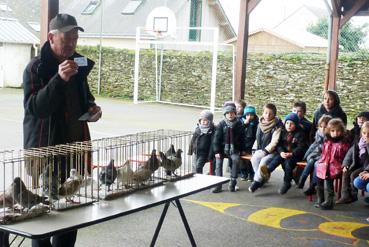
201, 142
300, 109
362, 181
312, 155
352, 164
229, 142
240, 107
267, 137
329, 166
251, 122
290, 149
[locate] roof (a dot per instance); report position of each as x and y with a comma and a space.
299, 38
11, 31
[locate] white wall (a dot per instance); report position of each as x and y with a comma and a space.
15, 59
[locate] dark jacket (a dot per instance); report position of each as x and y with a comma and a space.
44, 100
297, 144
352, 160
201, 143
250, 134
268, 141
221, 135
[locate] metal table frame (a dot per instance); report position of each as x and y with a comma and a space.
60, 222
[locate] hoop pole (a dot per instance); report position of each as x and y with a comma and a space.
214, 70
233, 75
156, 73
137, 62
160, 70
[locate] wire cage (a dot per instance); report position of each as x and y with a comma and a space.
60, 177
128, 163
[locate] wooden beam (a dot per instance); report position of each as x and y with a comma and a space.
332, 73
49, 9
252, 4
351, 12
336, 7
241, 54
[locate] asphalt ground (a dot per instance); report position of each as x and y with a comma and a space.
263, 218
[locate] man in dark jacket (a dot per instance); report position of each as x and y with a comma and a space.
56, 95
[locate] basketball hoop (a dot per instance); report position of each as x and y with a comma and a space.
161, 22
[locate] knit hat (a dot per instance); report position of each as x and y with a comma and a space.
229, 106
206, 114
364, 114
249, 109
292, 117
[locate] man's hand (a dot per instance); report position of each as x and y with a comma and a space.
95, 113
67, 69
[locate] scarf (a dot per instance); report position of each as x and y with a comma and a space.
204, 129
267, 126
362, 147
229, 147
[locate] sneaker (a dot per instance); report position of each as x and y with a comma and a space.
254, 186
243, 178
217, 189
310, 191
264, 172
250, 178
326, 205
285, 187
237, 188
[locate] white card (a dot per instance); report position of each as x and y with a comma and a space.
80, 61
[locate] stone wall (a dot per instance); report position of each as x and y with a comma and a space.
186, 76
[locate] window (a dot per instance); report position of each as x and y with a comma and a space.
4, 7
91, 7
195, 20
131, 7
34, 25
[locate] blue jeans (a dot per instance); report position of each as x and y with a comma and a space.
308, 168
361, 184
287, 164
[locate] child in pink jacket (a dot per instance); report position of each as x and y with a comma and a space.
329, 166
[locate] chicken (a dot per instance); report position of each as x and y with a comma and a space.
71, 186
23, 196
171, 151
172, 162
108, 174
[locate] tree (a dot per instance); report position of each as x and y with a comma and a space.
351, 37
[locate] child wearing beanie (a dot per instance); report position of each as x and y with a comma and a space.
201, 143
228, 143
250, 122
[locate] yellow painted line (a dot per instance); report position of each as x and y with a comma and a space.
272, 217
341, 228
217, 206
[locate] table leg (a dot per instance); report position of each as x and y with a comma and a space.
184, 220
155, 237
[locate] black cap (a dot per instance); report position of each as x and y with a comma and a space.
64, 23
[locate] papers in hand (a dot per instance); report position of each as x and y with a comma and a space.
90, 117
80, 61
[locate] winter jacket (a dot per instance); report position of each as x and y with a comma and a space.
201, 143
268, 141
45, 111
306, 126
298, 143
352, 160
331, 159
250, 134
315, 149
221, 135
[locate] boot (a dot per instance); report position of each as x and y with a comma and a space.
301, 182
345, 198
217, 189
310, 191
254, 186
329, 202
320, 196
285, 187
232, 185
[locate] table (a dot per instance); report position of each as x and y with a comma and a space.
60, 222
